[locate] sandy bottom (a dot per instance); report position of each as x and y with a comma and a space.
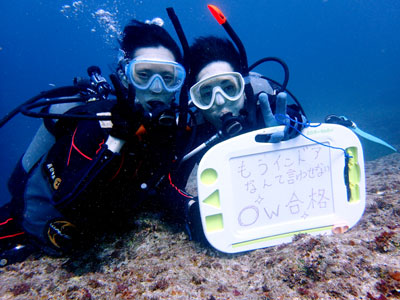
157, 261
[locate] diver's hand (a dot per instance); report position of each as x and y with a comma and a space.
125, 115
126, 120
270, 119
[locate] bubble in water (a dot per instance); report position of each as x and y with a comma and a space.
156, 21
77, 5
98, 20
102, 13
107, 21
65, 10
72, 10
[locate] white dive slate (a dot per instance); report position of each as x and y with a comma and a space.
254, 194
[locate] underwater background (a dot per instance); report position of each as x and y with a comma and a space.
343, 55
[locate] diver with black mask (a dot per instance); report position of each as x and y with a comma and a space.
96, 172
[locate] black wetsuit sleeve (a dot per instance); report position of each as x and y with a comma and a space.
76, 160
75, 181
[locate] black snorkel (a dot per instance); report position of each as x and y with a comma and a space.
248, 90
251, 101
182, 144
183, 101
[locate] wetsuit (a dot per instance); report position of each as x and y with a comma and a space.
79, 185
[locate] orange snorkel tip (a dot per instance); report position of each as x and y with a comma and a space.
217, 13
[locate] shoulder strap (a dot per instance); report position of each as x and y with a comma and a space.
66, 126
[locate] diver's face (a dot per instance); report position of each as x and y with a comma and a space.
155, 92
221, 105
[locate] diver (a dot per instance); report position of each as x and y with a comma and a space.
218, 92
95, 173
218, 95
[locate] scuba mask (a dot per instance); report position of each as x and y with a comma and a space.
155, 74
230, 85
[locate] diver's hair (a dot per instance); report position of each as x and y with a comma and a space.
208, 49
138, 35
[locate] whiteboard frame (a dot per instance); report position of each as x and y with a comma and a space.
346, 214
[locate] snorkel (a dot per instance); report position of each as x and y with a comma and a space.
248, 90
183, 103
251, 101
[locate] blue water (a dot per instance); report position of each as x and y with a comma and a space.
343, 55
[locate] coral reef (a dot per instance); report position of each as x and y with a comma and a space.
157, 261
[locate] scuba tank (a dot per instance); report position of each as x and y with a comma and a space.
54, 104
